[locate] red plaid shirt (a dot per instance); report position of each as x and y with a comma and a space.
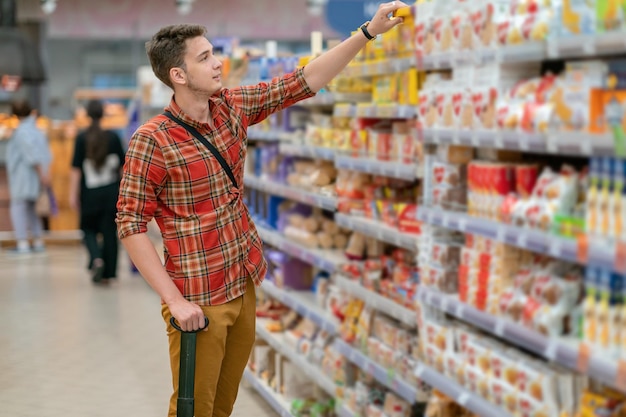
211, 244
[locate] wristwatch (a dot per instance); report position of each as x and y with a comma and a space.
367, 34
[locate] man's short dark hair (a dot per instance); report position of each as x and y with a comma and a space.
21, 108
167, 48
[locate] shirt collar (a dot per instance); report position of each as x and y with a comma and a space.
175, 109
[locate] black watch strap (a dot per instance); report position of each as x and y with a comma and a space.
366, 32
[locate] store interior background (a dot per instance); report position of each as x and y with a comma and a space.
96, 49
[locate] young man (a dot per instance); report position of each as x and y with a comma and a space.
213, 254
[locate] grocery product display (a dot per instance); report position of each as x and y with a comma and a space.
445, 222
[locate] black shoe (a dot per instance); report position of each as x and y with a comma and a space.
96, 274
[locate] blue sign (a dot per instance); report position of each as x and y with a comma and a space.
345, 16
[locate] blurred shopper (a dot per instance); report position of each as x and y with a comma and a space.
94, 187
28, 164
213, 253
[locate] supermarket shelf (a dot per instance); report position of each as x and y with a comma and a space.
323, 259
330, 99
380, 67
265, 135
612, 43
303, 302
563, 351
376, 111
577, 144
579, 46
291, 193
377, 301
343, 411
458, 393
278, 342
600, 254
305, 151
393, 169
278, 403
381, 374
377, 230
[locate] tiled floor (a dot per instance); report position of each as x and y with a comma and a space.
68, 348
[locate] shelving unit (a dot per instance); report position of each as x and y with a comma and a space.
377, 230
291, 193
326, 260
377, 301
600, 253
274, 400
576, 144
392, 169
385, 376
458, 393
304, 151
277, 342
303, 302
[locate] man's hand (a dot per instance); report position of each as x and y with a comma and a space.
189, 316
381, 22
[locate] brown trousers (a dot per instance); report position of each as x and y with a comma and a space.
222, 353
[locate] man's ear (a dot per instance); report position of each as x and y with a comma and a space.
178, 76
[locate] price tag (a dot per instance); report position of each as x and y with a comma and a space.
522, 240
555, 248
445, 221
620, 257
499, 328
419, 371
500, 233
443, 303
586, 147
582, 248
551, 350
462, 224
584, 354
458, 311
620, 380
391, 376
463, 398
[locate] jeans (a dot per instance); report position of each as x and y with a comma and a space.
24, 218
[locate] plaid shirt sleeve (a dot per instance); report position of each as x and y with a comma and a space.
143, 178
259, 101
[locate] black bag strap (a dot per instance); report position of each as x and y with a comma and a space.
206, 143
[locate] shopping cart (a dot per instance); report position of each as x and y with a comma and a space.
187, 371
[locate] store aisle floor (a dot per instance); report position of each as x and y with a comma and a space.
71, 349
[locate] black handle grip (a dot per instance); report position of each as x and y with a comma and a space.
177, 327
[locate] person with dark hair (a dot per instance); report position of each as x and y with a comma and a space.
94, 186
185, 168
28, 163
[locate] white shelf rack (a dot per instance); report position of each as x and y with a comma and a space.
601, 254
392, 169
376, 111
377, 301
579, 46
323, 259
458, 393
306, 151
565, 352
276, 401
381, 374
377, 230
303, 302
290, 192
330, 99
571, 143
381, 67
265, 135
278, 343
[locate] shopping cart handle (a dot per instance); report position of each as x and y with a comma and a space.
177, 327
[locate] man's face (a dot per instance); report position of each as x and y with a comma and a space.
204, 70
